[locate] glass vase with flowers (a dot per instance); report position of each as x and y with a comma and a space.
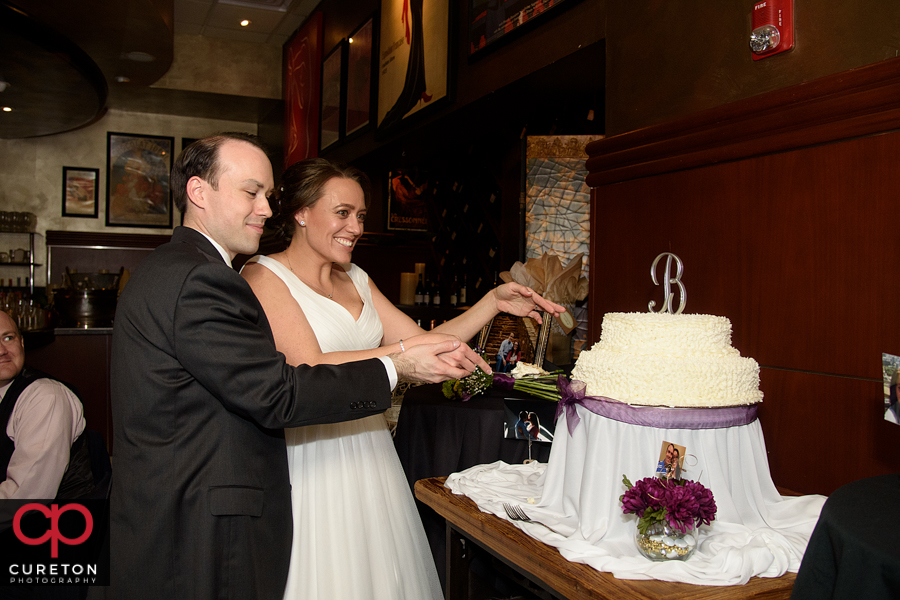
669, 512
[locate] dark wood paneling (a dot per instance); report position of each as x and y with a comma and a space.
794, 248
651, 80
823, 432
83, 361
860, 102
789, 231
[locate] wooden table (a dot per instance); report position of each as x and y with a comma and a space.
545, 567
436, 437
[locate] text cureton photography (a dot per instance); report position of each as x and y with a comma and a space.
50, 542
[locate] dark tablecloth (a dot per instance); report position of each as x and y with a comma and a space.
854, 551
436, 437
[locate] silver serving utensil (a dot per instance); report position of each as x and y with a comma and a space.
515, 513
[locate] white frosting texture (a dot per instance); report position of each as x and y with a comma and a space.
661, 359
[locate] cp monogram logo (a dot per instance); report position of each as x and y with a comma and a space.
53, 533
667, 290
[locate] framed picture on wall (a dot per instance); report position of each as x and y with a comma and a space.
491, 22
302, 86
414, 72
407, 207
80, 192
330, 131
359, 78
137, 180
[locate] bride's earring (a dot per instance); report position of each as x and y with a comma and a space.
302, 223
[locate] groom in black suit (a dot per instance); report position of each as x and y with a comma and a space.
201, 497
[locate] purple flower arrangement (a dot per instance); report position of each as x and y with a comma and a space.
683, 504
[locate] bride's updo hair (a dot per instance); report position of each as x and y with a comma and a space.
302, 185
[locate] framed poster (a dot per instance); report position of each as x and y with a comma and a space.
330, 131
407, 208
137, 180
491, 21
359, 78
890, 368
413, 55
302, 87
80, 189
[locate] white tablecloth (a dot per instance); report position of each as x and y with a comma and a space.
757, 532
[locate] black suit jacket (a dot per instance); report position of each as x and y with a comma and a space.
201, 497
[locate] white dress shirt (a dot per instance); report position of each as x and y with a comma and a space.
45, 422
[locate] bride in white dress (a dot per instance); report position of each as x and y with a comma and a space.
357, 533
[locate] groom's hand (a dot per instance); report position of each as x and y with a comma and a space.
433, 363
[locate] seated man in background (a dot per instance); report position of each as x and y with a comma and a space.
43, 454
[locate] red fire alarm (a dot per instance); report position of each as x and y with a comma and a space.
773, 28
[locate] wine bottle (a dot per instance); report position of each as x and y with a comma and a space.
462, 291
426, 294
454, 292
436, 293
420, 291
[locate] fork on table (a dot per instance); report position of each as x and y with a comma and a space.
515, 513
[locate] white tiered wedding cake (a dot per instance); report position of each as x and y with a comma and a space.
662, 359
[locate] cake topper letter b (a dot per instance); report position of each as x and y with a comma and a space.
667, 282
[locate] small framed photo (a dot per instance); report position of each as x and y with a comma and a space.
80, 192
137, 180
330, 130
671, 461
529, 419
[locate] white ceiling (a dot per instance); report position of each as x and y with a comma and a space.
271, 21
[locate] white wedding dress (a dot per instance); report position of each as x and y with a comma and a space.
357, 533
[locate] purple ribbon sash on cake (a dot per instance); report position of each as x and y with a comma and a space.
572, 394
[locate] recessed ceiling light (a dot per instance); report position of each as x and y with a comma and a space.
7, 109
122, 79
244, 23
350, 40
138, 56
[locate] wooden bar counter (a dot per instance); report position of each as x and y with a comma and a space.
544, 566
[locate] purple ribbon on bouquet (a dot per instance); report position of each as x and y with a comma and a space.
573, 393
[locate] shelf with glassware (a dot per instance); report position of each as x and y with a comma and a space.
16, 260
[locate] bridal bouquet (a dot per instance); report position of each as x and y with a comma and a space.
546, 387
543, 386
463, 389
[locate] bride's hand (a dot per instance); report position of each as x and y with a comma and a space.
516, 299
